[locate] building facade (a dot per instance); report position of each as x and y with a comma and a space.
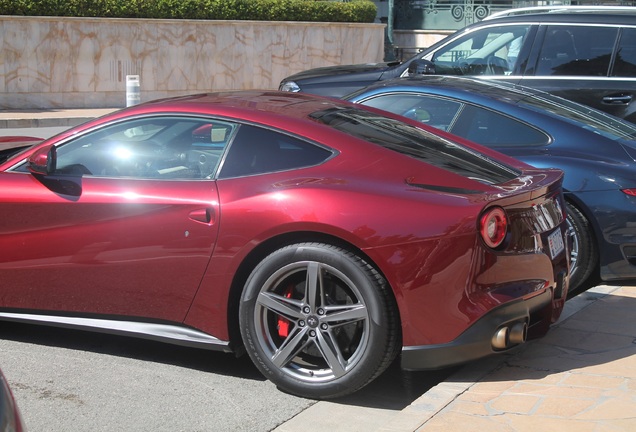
416, 24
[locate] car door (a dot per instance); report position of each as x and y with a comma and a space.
579, 62
124, 226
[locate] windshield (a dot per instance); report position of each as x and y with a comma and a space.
581, 115
417, 143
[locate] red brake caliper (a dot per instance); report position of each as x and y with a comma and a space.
284, 323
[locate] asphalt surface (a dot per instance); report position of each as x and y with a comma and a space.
69, 380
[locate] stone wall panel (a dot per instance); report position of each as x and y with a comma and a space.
59, 62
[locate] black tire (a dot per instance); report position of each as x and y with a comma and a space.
584, 252
318, 340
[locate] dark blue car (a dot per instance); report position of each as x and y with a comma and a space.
596, 151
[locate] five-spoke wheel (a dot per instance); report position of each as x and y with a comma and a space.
318, 320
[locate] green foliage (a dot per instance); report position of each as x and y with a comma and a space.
259, 10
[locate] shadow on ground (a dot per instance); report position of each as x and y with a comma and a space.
395, 389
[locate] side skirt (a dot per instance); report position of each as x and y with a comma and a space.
173, 334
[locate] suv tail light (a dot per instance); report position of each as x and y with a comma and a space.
493, 226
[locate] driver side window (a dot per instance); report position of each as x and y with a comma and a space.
488, 51
148, 148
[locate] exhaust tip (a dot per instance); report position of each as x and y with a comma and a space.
500, 338
509, 336
518, 333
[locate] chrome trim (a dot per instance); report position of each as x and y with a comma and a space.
173, 334
570, 78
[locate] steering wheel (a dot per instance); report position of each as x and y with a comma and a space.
464, 66
496, 65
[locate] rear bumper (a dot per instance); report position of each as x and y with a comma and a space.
476, 341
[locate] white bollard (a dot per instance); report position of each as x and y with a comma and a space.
133, 96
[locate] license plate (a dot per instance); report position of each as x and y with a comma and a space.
555, 241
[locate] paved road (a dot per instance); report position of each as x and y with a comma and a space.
68, 380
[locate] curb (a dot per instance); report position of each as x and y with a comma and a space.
50, 118
44, 122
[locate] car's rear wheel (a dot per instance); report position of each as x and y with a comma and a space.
318, 321
583, 255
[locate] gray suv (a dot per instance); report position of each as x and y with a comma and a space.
585, 55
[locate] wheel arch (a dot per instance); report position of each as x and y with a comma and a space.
573, 199
596, 238
272, 244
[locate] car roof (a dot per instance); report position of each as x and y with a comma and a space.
560, 10
467, 85
267, 107
473, 89
565, 16
254, 102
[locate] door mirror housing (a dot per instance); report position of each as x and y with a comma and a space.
421, 67
43, 161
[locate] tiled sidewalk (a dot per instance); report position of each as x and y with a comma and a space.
580, 377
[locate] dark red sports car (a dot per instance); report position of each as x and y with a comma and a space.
321, 237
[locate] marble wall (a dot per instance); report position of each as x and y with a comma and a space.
51, 62
410, 42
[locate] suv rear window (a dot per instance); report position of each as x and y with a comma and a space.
417, 143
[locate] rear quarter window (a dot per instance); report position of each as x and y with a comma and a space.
492, 129
256, 150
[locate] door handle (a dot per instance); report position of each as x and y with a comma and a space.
617, 99
205, 215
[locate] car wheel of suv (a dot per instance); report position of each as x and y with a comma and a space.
318, 321
583, 255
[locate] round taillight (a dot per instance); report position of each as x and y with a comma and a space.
493, 226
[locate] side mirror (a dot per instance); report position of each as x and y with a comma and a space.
43, 161
421, 67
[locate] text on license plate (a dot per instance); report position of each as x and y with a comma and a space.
555, 241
